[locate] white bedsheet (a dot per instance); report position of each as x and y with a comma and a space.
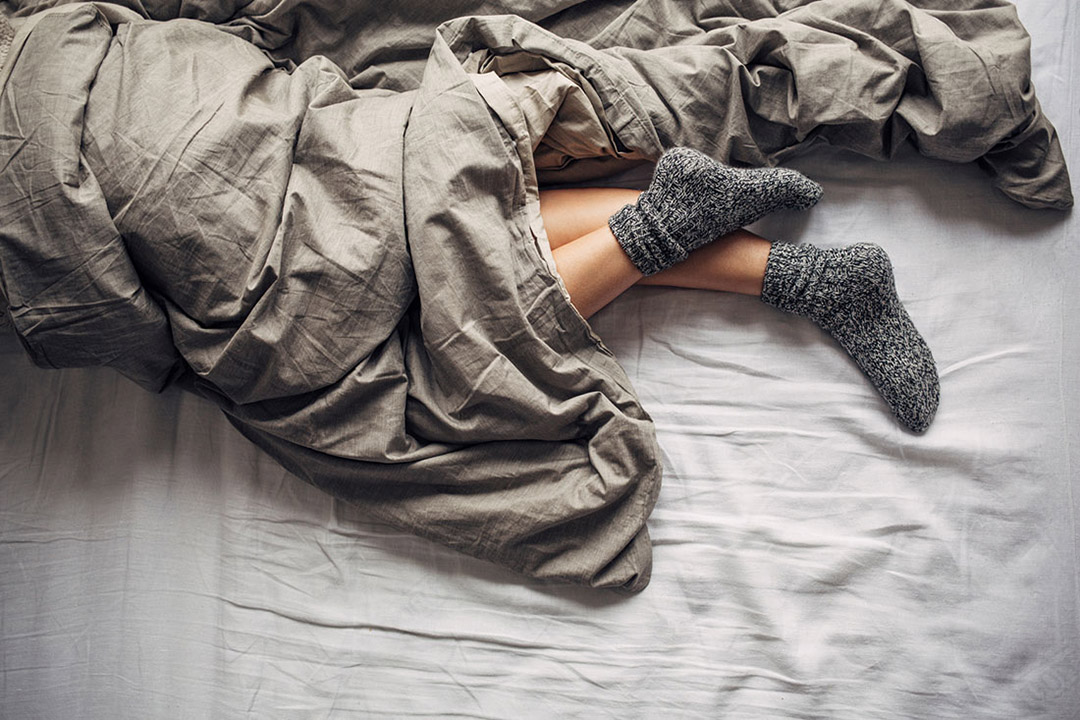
813, 560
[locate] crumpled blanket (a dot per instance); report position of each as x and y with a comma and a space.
324, 218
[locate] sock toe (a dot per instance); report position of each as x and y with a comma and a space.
874, 327
897, 361
805, 193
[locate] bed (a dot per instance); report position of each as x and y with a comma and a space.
810, 558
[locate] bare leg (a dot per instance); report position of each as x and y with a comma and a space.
595, 269
848, 292
733, 263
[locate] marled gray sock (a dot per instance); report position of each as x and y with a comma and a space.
851, 294
692, 200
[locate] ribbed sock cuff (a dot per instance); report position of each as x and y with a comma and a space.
646, 243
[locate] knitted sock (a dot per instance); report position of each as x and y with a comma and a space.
850, 293
692, 200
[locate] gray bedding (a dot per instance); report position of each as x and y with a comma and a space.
325, 220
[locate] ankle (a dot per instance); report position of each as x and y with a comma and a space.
817, 283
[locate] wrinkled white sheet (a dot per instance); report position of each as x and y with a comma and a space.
811, 558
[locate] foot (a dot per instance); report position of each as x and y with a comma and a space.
850, 293
693, 199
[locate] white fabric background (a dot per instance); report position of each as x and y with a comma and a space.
813, 560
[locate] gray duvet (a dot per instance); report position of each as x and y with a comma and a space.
323, 217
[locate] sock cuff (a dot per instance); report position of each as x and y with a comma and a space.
789, 270
648, 244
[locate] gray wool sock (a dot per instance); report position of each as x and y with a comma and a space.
850, 293
693, 199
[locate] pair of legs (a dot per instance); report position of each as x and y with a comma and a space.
687, 229
595, 269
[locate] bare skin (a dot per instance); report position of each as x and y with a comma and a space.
595, 269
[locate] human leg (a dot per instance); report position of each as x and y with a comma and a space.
691, 202
848, 292
732, 263
594, 269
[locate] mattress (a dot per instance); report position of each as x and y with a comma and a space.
811, 558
